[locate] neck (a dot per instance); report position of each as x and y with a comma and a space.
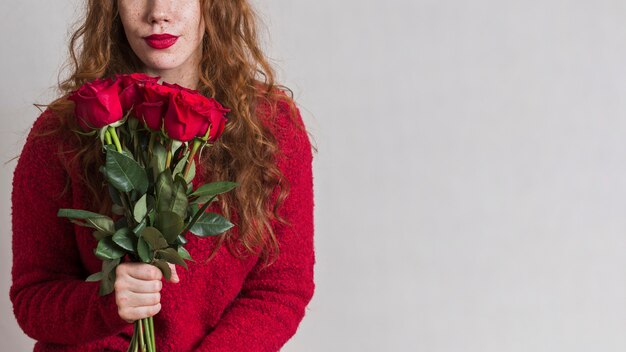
185, 75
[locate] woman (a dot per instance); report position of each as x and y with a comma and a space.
247, 289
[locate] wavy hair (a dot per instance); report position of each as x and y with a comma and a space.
233, 70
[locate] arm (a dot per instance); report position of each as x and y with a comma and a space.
271, 304
51, 300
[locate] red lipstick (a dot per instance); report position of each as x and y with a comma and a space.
161, 41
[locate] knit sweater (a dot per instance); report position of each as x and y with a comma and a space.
224, 304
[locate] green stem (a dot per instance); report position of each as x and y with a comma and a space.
151, 321
151, 143
141, 340
116, 140
168, 159
146, 328
107, 137
133, 342
196, 144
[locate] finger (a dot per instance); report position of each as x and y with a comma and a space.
143, 286
132, 299
174, 278
144, 271
131, 314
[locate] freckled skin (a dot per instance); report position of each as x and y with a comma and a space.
183, 18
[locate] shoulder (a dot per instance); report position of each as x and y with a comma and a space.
41, 162
42, 134
46, 142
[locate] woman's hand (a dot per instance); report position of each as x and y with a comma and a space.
138, 290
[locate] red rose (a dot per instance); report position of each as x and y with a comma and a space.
97, 104
177, 87
190, 115
154, 104
131, 87
217, 116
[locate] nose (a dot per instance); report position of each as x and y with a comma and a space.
159, 11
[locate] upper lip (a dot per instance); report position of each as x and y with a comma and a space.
160, 36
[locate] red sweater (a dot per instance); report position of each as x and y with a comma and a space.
225, 304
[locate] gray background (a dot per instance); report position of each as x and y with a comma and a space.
470, 176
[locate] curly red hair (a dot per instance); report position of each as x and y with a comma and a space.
232, 70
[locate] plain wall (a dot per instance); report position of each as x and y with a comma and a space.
471, 175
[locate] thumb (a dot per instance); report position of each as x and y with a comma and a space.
174, 278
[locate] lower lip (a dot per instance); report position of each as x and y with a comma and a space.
161, 43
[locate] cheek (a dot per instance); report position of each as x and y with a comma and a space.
200, 34
129, 15
194, 21
124, 12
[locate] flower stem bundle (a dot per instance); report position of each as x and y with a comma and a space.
151, 134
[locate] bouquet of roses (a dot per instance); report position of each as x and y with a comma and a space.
150, 133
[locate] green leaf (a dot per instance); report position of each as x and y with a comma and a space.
107, 284
181, 239
214, 188
108, 276
98, 235
109, 265
78, 214
143, 250
140, 226
124, 238
165, 268
210, 224
178, 203
154, 238
141, 209
104, 224
197, 212
172, 256
180, 166
126, 152
114, 194
159, 154
163, 189
124, 173
175, 145
203, 199
97, 221
107, 249
94, 277
192, 172
170, 224
184, 254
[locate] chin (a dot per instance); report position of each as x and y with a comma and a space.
160, 65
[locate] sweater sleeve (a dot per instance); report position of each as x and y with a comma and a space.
51, 301
272, 302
